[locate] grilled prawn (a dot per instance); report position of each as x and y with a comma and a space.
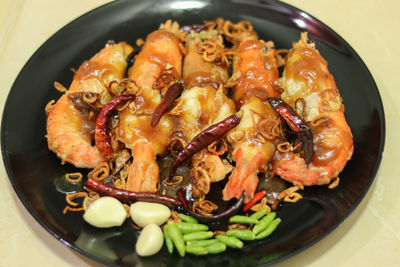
310, 89
69, 126
157, 66
253, 139
205, 71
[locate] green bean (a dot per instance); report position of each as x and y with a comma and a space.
241, 234
201, 243
177, 238
187, 227
216, 248
198, 235
230, 241
259, 214
264, 222
187, 218
196, 250
270, 229
243, 219
168, 240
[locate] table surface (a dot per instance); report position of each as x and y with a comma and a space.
368, 237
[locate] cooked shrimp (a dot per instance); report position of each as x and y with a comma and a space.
205, 70
311, 90
253, 139
157, 66
69, 128
143, 169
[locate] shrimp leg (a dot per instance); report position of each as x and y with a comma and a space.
157, 65
311, 90
69, 128
253, 139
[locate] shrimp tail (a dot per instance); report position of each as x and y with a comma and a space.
244, 177
143, 172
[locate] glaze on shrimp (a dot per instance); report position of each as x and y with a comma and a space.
156, 67
69, 126
310, 89
253, 139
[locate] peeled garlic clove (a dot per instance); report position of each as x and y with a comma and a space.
145, 213
105, 212
150, 240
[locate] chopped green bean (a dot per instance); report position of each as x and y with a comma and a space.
177, 238
241, 234
216, 248
187, 218
243, 219
230, 241
168, 241
264, 222
196, 250
270, 229
198, 235
187, 227
201, 243
259, 214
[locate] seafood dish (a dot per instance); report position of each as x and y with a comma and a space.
158, 126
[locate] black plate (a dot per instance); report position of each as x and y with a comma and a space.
35, 172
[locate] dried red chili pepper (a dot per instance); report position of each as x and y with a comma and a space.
180, 194
101, 135
296, 123
203, 139
167, 101
257, 197
129, 196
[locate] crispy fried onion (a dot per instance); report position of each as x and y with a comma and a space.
204, 207
233, 80
261, 205
72, 206
168, 76
119, 160
175, 180
74, 177
270, 128
70, 197
177, 109
215, 24
320, 121
85, 101
201, 183
235, 137
300, 107
238, 226
129, 86
49, 106
177, 142
218, 147
334, 183
281, 61
60, 87
211, 53
69, 208
174, 217
101, 172
284, 147
235, 32
290, 194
